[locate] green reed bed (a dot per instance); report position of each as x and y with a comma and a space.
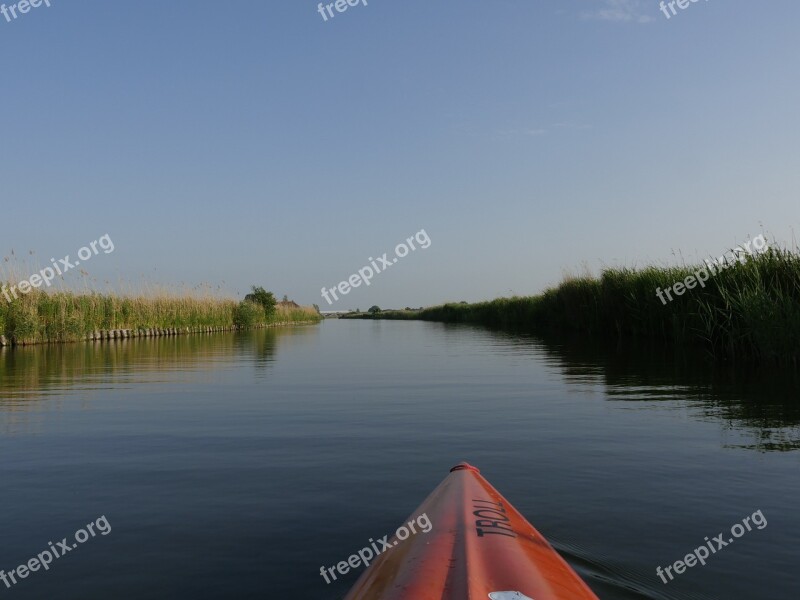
41, 317
748, 312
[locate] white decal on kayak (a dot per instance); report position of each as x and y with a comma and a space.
508, 596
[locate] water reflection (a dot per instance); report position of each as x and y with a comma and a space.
34, 373
757, 410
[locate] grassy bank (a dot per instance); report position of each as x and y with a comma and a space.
749, 312
41, 317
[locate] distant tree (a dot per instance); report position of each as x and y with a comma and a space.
261, 296
374, 309
358, 310
285, 298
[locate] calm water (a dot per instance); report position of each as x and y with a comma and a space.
235, 466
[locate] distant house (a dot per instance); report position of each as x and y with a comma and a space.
288, 304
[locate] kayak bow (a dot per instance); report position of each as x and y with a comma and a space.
479, 547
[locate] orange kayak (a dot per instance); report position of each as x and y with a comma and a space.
477, 547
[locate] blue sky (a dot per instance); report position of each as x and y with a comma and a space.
252, 142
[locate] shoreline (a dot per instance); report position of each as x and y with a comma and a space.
114, 335
748, 313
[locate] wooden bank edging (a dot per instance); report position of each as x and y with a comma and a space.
103, 335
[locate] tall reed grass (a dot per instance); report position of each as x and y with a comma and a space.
40, 317
749, 312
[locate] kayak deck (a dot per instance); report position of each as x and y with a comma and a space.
479, 547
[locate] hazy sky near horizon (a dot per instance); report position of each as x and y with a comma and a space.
253, 142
